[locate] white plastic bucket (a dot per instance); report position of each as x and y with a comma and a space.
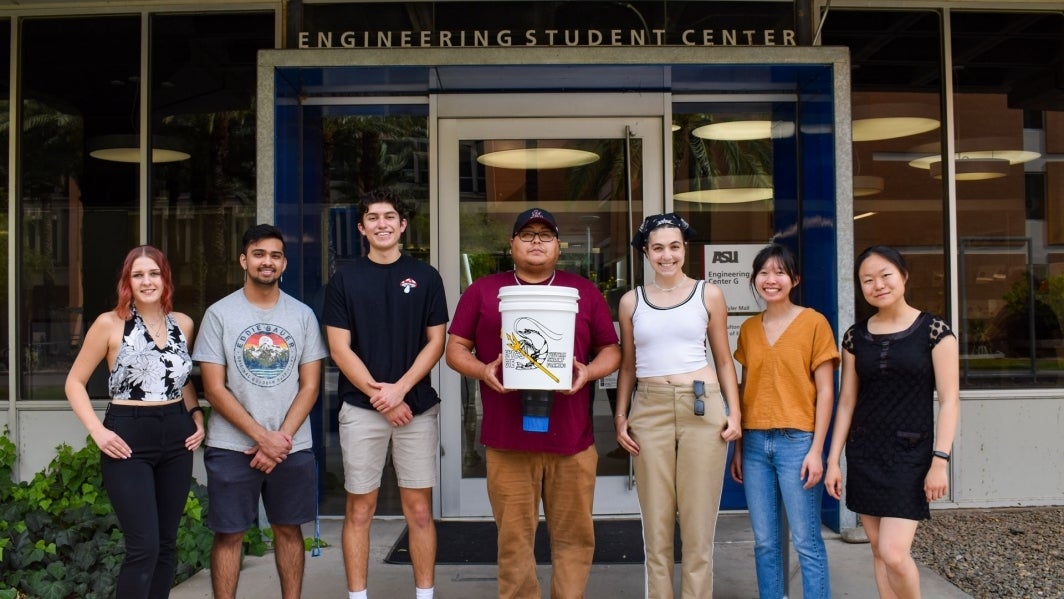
538, 334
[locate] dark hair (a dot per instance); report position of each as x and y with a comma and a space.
657, 221
125, 287
883, 251
782, 255
383, 196
259, 232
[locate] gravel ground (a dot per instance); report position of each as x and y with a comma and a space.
1013, 552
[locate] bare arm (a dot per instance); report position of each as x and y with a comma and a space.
389, 398
717, 331
104, 334
461, 358
813, 464
945, 358
306, 397
843, 418
626, 376
188, 392
352, 367
607, 359
736, 467
274, 444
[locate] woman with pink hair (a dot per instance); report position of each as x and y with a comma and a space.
151, 427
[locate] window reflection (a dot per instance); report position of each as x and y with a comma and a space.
203, 74
723, 181
1012, 268
1008, 216
5, 99
894, 202
361, 148
78, 214
589, 199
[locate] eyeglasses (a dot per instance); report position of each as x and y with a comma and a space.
530, 236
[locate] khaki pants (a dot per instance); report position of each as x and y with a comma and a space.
679, 470
517, 480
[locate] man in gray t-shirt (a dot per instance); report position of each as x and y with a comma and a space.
260, 353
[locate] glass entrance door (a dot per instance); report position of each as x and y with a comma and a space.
598, 176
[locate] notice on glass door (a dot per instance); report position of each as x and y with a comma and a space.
728, 267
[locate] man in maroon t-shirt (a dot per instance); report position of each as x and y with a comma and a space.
525, 467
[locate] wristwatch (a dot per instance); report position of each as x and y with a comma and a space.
940, 454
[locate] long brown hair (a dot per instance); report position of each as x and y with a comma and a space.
125, 287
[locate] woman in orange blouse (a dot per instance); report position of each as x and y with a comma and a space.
788, 354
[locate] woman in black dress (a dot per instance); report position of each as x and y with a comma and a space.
897, 460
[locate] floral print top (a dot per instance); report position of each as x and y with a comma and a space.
145, 371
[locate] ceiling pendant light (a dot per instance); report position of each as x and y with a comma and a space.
974, 169
126, 148
537, 158
873, 122
745, 130
867, 185
975, 148
729, 189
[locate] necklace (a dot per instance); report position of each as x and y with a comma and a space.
549, 283
157, 330
668, 289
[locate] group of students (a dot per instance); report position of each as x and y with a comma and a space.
677, 411
679, 404
260, 353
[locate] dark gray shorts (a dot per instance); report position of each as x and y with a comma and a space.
289, 493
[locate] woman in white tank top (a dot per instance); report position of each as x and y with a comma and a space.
679, 441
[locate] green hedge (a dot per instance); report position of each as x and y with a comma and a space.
59, 537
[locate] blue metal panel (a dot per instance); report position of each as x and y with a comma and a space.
819, 244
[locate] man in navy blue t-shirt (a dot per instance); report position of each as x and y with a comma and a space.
385, 318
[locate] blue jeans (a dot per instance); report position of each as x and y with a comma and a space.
772, 465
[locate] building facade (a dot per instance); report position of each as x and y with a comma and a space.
936, 127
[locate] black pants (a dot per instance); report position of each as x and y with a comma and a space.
148, 491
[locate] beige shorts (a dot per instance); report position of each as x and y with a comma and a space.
364, 439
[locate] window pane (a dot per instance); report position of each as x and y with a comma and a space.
203, 108
361, 149
723, 173
1008, 124
896, 99
78, 213
5, 99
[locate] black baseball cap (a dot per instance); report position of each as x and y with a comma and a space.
535, 215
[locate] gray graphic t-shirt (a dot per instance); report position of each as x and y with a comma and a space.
262, 351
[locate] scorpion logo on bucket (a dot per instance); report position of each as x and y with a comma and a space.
528, 347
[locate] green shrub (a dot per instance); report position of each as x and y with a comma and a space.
59, 537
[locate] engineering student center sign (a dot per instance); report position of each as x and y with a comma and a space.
541, 37
530, 23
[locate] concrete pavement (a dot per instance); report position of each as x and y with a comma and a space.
850, 564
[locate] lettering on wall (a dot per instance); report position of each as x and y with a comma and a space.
484, 38
728, 267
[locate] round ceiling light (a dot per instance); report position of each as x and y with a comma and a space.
745, 130
873, 122
537, 158
975, 169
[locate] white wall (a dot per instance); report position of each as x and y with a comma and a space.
1010, 451
41, 431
